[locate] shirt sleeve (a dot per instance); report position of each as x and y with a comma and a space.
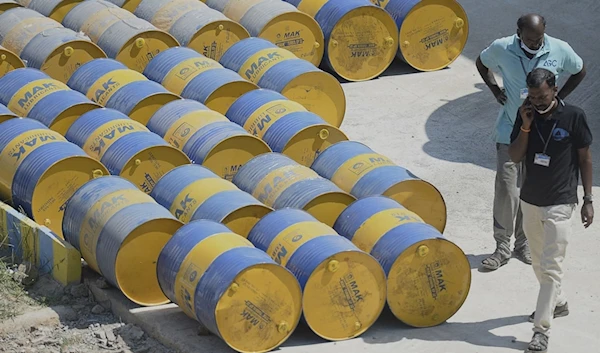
572, 63
516, 128
583, 135
490, 55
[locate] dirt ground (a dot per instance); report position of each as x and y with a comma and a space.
39, 315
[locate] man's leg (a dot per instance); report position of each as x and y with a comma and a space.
522, 251
506, 204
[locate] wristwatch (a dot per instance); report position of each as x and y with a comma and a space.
588, 198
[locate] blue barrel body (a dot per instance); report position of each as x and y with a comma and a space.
247, 104
37, 51
45, 7
189, 24
118, 34
81, 130
205, 139
235, 57
166, 60
169, 113
52, 106
85, 76
281, 74
392, 244
5, 111
117, 156
76, 18
205, 84
374, 182
131, 94
259, 15
14, 80
307, 257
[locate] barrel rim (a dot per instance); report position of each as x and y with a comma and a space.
149, 148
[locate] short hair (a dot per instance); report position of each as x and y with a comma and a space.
540, 75
525, 21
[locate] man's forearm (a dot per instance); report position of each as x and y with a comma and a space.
518, 148
487, 75
572, 83
585, 165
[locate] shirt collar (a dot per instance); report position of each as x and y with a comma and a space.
515, 47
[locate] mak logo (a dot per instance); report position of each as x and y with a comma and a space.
35, 90
183, 206
252, 71
24, 147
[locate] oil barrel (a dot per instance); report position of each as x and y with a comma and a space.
277, 69
190, 74
206, 136
325, 262
429, 277
279, 23
6, 114
55, 9
129, 5
279, 182
45, 44
235, 290
193, 24
123, 36
285, 125
8, 4
360, 171
192, 192
111, 84
9, 61
125, 147
360, 38
41, 170
120, 232
31, 93
433, 33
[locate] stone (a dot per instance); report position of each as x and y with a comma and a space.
110, 336
97, 309
203, 331
102, 283
79, 291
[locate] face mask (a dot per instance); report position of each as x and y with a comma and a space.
542, 112
531, 51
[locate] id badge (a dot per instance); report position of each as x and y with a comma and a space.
542, 159
524, 92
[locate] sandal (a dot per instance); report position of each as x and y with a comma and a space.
559, 311
524, 255
538, 344
494, 261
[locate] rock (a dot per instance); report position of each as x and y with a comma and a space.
98, 309
203, 331
79, 291
100, 335
25, 274
102, 283
132, 331
67, 314
78, 307
110, 336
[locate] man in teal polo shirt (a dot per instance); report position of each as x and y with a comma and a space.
515, 57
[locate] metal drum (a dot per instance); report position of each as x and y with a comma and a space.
120, 232
433, 33
111, 84
9, 61
192, 192
285, 125
45, 44
123, 36
358, 170
279, 182
8, 4
185, 72
344, 288
429, 277
279, 23
6, 114
193, 24
206, 136
55, 9
360, 38
235, 290
129, 5
125, 147
32, 93
277, 69
41, 170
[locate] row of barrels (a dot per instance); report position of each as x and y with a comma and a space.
356, 39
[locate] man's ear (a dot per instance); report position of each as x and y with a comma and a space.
519, 33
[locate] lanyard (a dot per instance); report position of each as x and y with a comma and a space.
546, 142
534, 66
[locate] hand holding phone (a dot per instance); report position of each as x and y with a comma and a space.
526, 111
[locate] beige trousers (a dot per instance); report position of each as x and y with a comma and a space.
548, 230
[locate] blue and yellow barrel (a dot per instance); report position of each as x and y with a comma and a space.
8, 4
9, 61
31, 93
111, 84
433, 33
235, 290
123, 36
279, 23
193, 24
129, 5
206, 136
188, 73
6, 114
279, 182
192, 192
41, 170
429, 277
45, 44
360, 38
126, 147
55, 9
285, 125
120, 232
360, 171
344, 288
277, 69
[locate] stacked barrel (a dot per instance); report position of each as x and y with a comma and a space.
193, 153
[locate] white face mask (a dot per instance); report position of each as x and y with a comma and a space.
542, 112
529, 50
